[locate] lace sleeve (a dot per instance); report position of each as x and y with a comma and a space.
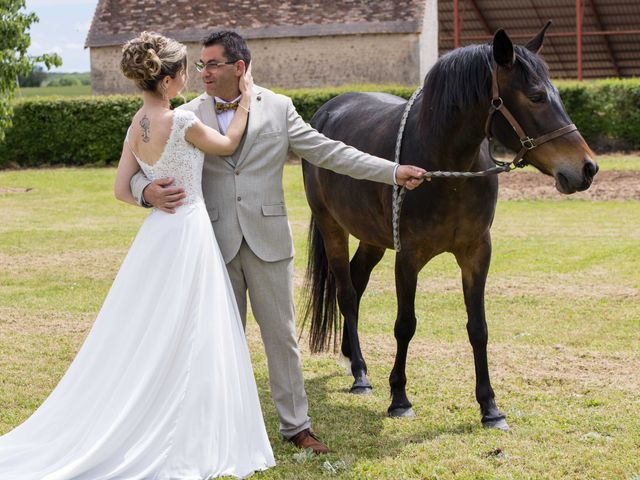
184, 119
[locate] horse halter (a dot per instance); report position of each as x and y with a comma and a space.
528, 143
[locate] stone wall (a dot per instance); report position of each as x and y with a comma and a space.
301, 62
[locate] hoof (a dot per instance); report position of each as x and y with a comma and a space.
361, 390
499, 423
401, 413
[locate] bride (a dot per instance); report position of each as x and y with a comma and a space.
162, 387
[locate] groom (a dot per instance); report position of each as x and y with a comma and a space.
245, 201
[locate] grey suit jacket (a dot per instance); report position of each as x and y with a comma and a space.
244, 194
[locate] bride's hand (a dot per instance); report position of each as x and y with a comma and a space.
246, 83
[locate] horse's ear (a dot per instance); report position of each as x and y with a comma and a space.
503, 52
535, 44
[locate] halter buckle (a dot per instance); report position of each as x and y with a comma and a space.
528, 143
497, 103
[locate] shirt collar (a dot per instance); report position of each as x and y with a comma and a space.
219, 100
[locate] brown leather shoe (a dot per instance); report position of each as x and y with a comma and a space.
307, 439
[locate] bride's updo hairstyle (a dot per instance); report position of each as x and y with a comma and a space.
150, 57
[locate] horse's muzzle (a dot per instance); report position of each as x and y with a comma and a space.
569, 181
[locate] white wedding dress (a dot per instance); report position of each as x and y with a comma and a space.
162, 387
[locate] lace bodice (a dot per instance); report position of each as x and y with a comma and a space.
179, 159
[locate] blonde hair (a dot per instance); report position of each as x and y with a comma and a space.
150, 57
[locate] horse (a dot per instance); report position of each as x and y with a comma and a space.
498, 90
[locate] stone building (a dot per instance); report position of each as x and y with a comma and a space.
294, 43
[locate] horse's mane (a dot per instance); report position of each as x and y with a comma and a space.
462, 78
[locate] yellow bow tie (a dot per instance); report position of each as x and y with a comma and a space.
225, 107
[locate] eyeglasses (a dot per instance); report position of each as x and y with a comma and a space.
211, 66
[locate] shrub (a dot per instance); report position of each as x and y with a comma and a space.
607, 112
90, 130
69, 131
308, 100
583, 108
621, 110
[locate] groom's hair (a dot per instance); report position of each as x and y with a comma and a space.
235, 47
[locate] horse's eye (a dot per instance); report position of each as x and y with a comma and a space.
538, 97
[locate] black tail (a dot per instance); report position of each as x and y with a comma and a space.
320, 295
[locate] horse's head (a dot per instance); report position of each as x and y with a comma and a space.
527, 93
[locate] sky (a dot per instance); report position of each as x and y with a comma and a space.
62, 29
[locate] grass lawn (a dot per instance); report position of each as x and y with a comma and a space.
606, 162
563, 306
617, 161
67, 91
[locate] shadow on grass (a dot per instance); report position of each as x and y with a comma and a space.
358, 426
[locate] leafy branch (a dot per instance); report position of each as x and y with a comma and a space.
14, 60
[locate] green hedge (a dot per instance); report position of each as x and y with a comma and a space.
90, 130
68, 131
607, 112
308, 100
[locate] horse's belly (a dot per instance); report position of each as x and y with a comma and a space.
373, 231
360, 207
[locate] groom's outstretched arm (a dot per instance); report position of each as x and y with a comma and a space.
159, 193
324, 152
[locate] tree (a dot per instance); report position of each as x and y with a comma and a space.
14, 60
66, 81
34, 79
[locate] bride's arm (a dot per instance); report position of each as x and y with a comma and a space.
127, 168
213, 142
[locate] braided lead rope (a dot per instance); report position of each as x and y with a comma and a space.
399, 197
504, 167
399, 191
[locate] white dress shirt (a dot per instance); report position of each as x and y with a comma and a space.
224, 118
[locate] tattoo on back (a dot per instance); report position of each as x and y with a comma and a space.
145, 123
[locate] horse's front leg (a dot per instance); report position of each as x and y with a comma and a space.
406, 271
474, 263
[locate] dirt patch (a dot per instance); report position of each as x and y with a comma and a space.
547, 367
96, 265
26, 322
4, 190
591, 284
518, 185
608, 185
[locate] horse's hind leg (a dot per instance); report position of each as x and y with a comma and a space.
336, 241
365, 259
474, 262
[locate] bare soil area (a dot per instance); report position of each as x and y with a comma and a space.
519, 185
14, 190
608, 185
516, 185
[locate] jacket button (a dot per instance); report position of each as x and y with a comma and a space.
237, 172
239, 198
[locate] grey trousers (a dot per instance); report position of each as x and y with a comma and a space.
270, 287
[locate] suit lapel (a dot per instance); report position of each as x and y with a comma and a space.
209, 118
253, 126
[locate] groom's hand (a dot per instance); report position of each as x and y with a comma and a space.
163, 196
409, 176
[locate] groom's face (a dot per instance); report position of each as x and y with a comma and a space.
221, 80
